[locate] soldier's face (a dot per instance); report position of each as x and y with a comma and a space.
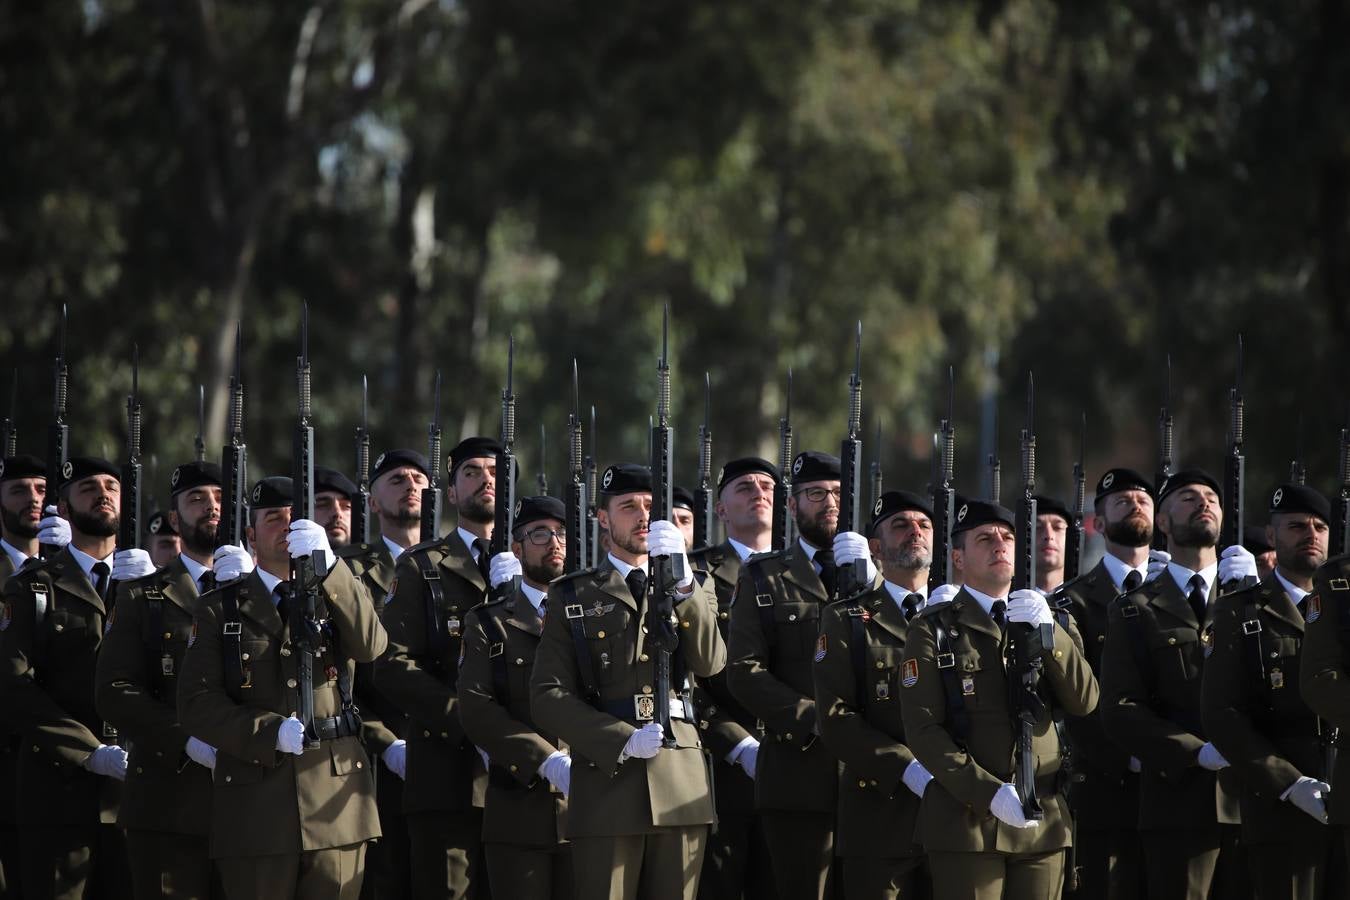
1050, 533
684, 520
626, 518
987, 558
396, 496
473, 490
1300, 541
1126, 518
267, 537
746, 503
543, 552
196, 516
334, 512
163, 548
92, 505
21, 506
817, 520
1191, 517
904, 540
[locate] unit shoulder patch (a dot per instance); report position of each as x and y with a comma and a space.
909, 673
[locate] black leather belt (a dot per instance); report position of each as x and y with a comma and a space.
334, 727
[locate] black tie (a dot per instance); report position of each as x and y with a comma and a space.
999, 613
481, 546
206, 583
1132, 580
829, 573
283, 594
1197, 597
910, 605
637, 584
100, 573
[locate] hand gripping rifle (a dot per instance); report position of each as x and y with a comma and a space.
782, 488
1073, 552
1026, 643
234, 459
944, 493
1235, 471
58, 433
361, 509
578, 528
1164, 470
306, 571
504, 516
661, 634
703, 493
853, 578
431, 494
129, 524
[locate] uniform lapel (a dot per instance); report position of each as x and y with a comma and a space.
972, 615
255, 601
728, 570
1169, 598
886, 612
460, 561
802, 572
1278, 604
608, 580
1101, 590
382, 572
69, 577
177, 584
520, 614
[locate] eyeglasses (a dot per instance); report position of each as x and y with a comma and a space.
541, 536
818, 494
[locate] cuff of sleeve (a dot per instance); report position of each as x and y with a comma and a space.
735, 754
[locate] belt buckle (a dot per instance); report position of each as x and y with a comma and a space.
496, 650
234, 629
1251, 626
1129, 611
764, 599
573, 611
110, 732
644, 707
946, 660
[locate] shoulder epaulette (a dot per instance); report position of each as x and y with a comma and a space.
933, 609
432, 544
568, 576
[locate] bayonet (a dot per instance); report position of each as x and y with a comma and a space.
431, 494
578, 526
9, 432
129, 522
1164, 470
361, 508
58, 433
234, 457
703, 492
200, 441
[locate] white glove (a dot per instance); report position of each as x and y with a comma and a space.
1309, 795
503, 567
129, 564
557, 770
482, 754
200, 752
395, 758
916, 778
748, 758
110, 762
1235, 564
1210, 758
1008, 809
1029, 607
646, 741
231, 562
665, 539
850, 546
1135, 765
291, 736
944, 593
305, 537
1157, 563
53, 530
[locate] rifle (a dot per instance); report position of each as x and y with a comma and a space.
578, 528
431, 494
234, 458
200, 441
876, 475
854, 578
504, 510
995, 466
782, 490
1297, 473
661, 634
1073, 552
1234, 469
129, 523
361, 509
1164, 470
592, 520
305, 572
1340, 529
9, 431
1027, 643
703, 494
944, 494
541, 480
58, 433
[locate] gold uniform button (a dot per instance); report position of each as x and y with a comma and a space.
643, 658
862, 782
646, 689
520, 660
359, 764
426, 734
792, 617
445, 734
723, 615
229, 778
1101, 638
788, 736
60, 627
599, 634
285, 651
514, 769
140, 771
244, 656
290, 682
168, 635
1059, 654
1171, 640
684, 624
880, 664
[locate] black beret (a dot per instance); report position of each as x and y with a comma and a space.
24, 465
626, 478
892, 502
1178, 480
1298, 498
744, 466
1049, 506
1116, 480
398, 459
272, 492
472, 448
160, 525
326, 479
1254, 539
534, 509
812, 465
974, 513
193, 475
81, 467
681, 496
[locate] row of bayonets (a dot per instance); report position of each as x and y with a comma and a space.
583, 550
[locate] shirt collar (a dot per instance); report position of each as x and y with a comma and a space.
15, 554
86, 562
396, 551
269, 581
1117, 569
898, 594
1182, 576
533, 594
808, 549
743, 551
622, 567
195, 569
986, 602
1295, 592
468, 537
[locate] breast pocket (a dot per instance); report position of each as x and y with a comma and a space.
881, 674
796, 625
1177, 654
603, 633
67, 632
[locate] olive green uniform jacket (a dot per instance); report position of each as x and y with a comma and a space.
1324, 670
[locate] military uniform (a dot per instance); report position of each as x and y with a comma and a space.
774, 626
166, 800
51, 628
1254, 715
282, 825
1324, 676
436, 583
10, 741
1152, 665
857, 676
1103, 792
523, 814
388, 868
638, 827
961, 726
738, 857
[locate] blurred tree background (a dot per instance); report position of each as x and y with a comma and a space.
1078, 189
